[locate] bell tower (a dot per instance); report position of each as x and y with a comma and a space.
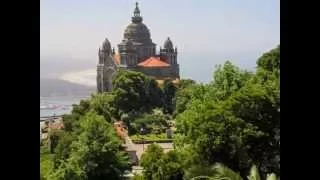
106, 67
169, 53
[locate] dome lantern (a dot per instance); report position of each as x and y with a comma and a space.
137, 31
136, 12
136, 15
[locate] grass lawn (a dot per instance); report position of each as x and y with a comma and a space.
46, 161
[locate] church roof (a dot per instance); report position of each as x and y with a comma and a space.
153, 62
116, 58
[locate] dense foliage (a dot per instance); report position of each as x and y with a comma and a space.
136, 92
270, 61
233, 120
169, 91
130, 92
236, 118
102, 104
150, 123
223, 172
161, 166
46, 162
95, 154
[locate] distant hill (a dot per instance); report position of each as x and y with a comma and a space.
57, 87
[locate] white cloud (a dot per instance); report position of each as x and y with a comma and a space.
86, 77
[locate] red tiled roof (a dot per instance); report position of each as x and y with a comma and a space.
153, 62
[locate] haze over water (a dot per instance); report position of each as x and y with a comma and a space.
56, 105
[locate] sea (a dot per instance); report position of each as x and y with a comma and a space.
58, 105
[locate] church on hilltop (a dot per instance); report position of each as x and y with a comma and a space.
136, 52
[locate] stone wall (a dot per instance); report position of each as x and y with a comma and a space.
159, 72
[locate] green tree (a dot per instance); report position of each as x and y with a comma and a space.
183, 95
102, 104
82, 108
137, 177
150, 161
171, 166
169, 91
222, 172
46, 162
42, 177
155, 123
235, 120
96, 154
130, 92
71, 121
184, 83
154, 93
257, 105
268, 70
218, 136
270, 61
238, 131
69, 170
162, 166
53, 139
63, 149
199, 170
228, 79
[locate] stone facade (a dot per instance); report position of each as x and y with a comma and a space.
136, 52
106, 68
159, 72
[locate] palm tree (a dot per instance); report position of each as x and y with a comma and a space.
224, 173
271, 176
197, 172
254, 173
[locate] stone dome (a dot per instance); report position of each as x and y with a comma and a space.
137, 32
126, 45
129, 43
168, 44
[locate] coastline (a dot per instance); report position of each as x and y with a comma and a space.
58, 105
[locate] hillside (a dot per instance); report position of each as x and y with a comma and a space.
57, 87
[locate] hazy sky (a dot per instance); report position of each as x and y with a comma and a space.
206, 32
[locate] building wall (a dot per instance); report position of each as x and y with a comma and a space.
160, 72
